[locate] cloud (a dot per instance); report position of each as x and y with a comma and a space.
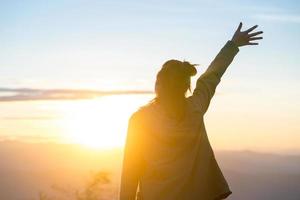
28, 138
278, 18
29, 94
31, 118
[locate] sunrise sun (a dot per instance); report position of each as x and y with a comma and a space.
101, 122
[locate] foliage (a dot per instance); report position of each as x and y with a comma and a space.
93, 190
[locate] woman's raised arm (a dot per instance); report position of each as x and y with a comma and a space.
208, 81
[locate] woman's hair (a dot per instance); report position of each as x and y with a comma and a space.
172, 83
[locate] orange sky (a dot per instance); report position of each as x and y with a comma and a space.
232, 121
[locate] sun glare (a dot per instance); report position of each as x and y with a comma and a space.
101, 122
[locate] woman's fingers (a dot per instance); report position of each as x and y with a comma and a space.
241, 38
254, 34
240, 26
251, 29
252, 43
255, 38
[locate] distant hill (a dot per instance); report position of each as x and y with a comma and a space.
27, 169
261, 176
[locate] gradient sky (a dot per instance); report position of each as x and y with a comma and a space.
117, 44
121, 45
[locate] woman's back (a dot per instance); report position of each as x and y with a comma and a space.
177, 160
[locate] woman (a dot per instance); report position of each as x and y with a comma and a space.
167, 154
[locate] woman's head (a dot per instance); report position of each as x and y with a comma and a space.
172, 83
174, 79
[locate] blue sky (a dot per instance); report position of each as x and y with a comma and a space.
122, 44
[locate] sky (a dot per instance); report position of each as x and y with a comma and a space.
120, 45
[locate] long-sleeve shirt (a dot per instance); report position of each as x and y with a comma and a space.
170, 160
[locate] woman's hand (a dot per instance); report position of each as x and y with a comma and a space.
243, 38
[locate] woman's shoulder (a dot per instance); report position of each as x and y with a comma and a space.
144, 110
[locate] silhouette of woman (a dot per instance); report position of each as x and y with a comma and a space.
167, 155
